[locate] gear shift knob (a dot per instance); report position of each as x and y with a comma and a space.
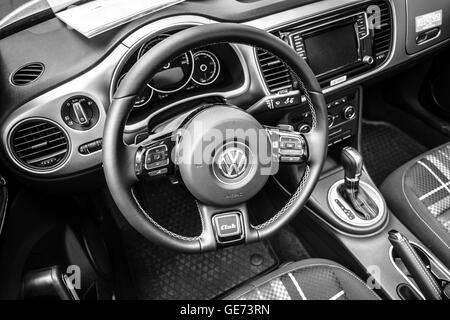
352, 162
352, 192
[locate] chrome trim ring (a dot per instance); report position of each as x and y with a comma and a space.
32, 169
334, 194
216, 61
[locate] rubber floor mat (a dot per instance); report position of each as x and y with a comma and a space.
385, 148
171, 206
158, 273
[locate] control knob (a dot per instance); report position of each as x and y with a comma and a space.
349, 112
330, 121
304, 128
369, 60
80, 113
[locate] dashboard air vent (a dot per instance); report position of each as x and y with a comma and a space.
383, 32
27, 74
39, 144
275, 73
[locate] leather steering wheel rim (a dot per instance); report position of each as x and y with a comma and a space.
119, 165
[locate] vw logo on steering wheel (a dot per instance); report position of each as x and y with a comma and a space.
233, 162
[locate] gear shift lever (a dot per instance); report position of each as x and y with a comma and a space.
351, 190
352, 162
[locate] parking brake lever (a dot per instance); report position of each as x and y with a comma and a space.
418, 270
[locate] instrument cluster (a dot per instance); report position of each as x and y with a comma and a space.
192, 73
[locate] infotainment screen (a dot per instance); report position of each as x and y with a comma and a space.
332, 48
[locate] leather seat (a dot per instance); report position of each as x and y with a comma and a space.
311, 279
418, 193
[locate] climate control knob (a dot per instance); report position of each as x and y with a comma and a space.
330, 121
349, 112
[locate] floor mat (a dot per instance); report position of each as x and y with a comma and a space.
158, 273
171, 206
385, 148
288, 246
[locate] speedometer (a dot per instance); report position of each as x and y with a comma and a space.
175, 74
206, 68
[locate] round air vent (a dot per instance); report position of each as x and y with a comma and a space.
27, 74
39, 144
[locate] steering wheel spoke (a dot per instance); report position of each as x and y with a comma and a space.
288, 146
154, 157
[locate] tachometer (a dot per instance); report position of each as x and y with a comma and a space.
175, 74
206, 68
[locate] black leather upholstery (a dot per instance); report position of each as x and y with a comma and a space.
311, 279
418, 193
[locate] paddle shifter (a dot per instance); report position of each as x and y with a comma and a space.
351, 190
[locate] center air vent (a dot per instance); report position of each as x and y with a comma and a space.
27, 74
275, 73
383, 32
39, 144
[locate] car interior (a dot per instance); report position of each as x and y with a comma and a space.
225, 150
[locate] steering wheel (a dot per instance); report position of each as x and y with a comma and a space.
221, 173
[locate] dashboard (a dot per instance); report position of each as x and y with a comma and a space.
54, 130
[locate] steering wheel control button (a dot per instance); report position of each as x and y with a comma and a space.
286, 127
156, 157
80, 113
157, 173
292, 148
291, 159
228, 227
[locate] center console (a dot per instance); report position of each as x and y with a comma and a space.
343, 115
398, 264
